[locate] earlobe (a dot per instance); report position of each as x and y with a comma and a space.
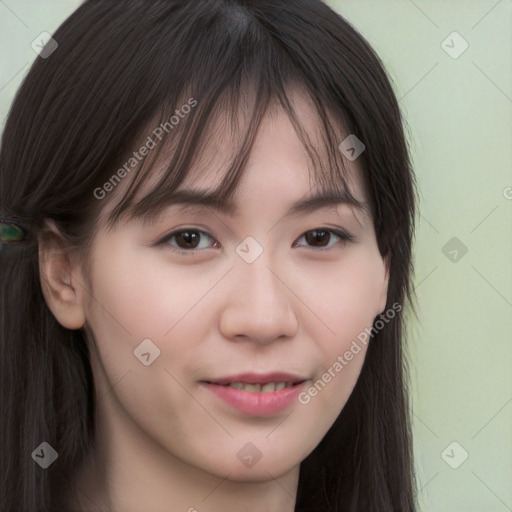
59, 280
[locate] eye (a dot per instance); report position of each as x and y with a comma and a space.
188, 240
320, 238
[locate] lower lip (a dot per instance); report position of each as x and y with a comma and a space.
257, 404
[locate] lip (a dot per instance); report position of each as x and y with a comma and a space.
257, 404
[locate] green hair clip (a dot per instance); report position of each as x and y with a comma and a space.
12, 231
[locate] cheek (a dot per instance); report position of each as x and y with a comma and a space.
347, 303
145, 297
138, 298
348, 295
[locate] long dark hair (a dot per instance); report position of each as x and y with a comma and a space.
80, 113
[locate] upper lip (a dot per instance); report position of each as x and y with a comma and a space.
258, 378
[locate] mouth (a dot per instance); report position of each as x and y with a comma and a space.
259, 383
257, 394
269, 387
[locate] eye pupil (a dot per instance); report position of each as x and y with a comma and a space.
188, 237
316, 236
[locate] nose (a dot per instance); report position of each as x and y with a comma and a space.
259, 304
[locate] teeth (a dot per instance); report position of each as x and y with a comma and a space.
258, 388
252, 388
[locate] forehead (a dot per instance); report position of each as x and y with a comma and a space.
278, 160
276, 139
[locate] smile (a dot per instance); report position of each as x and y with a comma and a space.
260, 388
257, 395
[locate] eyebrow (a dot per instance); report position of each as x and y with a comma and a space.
193, 200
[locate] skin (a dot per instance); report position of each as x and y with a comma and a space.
163, 441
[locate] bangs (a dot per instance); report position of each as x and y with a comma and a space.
234, 74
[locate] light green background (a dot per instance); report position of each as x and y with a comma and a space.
459, 115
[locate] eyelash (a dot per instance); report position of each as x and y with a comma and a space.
345, 237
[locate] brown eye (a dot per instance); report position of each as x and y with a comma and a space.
186, 240
320, 238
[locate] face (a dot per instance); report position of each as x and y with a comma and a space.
200, 299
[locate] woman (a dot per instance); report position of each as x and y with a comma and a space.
207, 216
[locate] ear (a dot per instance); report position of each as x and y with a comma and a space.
60, 278
384, 287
